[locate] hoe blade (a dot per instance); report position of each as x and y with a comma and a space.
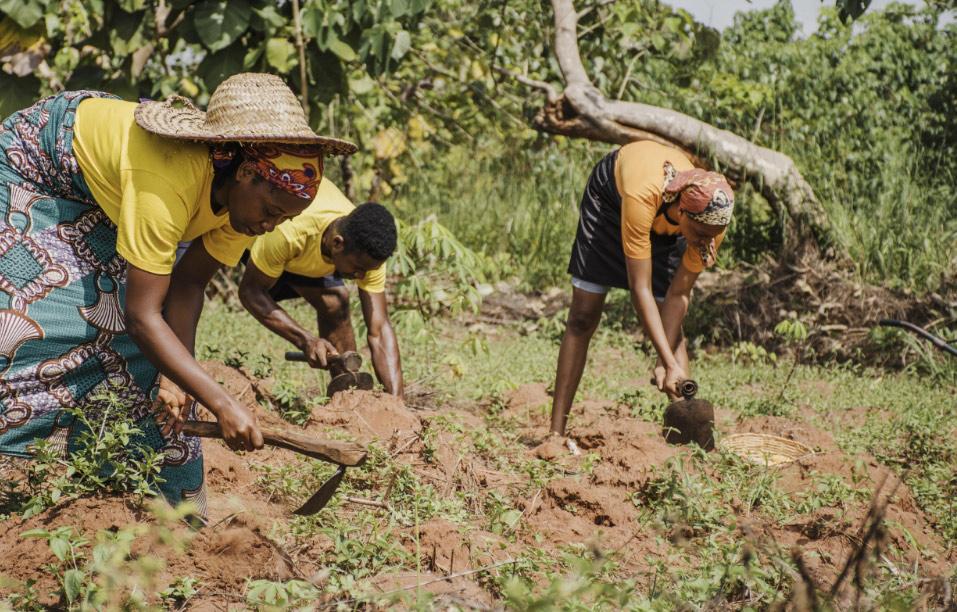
321, 497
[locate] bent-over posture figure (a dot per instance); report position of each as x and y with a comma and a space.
308, 257
650, 223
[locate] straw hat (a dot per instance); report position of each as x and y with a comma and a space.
247, 107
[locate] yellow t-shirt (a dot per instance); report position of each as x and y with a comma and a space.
295, 246
156, 190
640, 178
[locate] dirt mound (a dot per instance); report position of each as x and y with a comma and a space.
804, 433
829, 534
235, 382
544, 493
837, 308
530, 404
368, 416
628, 450
227, 557
449, 548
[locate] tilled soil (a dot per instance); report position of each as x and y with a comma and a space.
593, 506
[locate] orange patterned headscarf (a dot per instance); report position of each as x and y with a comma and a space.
296, 169
705, 196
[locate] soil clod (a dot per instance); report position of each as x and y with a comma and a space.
690, 420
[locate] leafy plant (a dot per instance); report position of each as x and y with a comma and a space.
108, 454
280, 595
108, 575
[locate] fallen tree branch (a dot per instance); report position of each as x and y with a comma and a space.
582, 111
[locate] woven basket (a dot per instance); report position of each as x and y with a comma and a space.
765, 449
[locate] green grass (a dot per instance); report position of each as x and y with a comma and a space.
901, 230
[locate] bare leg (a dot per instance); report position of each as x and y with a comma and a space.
332, 317
583, 318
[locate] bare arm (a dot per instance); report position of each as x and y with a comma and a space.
254, 295
382, 341
168, 344
663, 328
675, 307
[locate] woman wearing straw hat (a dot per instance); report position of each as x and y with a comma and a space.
650, 223
95, 195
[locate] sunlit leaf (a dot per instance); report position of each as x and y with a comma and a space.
73, 583
271, 17
252, 56
400, 8
311, 20
60, 548
281, 54
131, 6
388, 143
402, 44
219, 23
361, 85
343, 50
24, 12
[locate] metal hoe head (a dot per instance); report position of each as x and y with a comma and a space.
321, 497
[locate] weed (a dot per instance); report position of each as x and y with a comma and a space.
502, 517
108, 454
180, 591
681, 497
107, 575
289, 401
646, 403
269, 595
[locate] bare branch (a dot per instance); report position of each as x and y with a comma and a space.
551, 94
566, 44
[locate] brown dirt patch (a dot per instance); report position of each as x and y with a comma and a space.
447, 548
368, 416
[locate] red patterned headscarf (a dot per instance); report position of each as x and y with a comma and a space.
294, 169
706, 196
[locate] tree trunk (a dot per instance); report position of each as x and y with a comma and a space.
583, 111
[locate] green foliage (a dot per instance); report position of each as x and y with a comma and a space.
588, 585
436, 273
180, 591
107, 575
108, 455
292, 404
265, 594
425, 86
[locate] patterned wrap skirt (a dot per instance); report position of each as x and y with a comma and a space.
63, 339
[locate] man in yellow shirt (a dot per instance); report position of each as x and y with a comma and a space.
307, 257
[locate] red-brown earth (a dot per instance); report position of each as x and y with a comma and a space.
593, 506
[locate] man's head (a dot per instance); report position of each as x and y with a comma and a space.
362, 240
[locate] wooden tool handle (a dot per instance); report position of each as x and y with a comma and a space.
333, 451
350, 360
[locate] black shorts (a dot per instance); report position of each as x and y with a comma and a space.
284, 290
598, 257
